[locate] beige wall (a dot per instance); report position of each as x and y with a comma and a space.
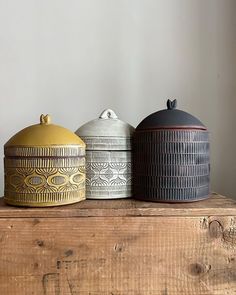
73, 58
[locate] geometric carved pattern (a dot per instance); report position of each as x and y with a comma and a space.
108, 174
171, 165
112, 174
99, 143
44, 181
56, 151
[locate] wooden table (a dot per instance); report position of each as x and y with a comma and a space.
119, 247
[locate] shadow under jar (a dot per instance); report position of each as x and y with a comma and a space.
171, 157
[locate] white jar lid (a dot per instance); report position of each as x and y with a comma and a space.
106, 133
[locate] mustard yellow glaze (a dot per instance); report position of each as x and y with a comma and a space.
44, 134
42, 204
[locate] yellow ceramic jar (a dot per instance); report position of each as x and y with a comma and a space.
44, 165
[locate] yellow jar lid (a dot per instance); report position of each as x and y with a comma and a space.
44, 134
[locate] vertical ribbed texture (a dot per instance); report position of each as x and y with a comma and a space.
171, 165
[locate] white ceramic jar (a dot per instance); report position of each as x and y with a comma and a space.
108, 157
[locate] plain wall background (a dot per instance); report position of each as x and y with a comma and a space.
74, 58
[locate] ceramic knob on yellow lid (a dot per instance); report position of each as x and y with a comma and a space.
44, 165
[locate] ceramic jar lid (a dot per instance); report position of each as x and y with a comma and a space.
106, 133
170, 118
45, 135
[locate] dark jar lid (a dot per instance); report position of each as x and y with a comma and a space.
171, 118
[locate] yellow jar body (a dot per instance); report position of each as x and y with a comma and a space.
44, 176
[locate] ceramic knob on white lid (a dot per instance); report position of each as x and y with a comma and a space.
108, 154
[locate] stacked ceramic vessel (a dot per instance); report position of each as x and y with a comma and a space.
44, 166
171, 157
108, 157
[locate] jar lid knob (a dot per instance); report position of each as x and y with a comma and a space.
45, 119
108, 114
171, 104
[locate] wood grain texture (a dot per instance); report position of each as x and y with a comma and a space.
119, 255
215, 205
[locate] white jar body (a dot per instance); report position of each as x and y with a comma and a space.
108, 174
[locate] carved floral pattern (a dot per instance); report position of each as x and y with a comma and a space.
108, 174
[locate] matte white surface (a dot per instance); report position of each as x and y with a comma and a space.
74, 58
105, 127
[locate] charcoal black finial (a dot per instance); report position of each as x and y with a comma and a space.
171, 105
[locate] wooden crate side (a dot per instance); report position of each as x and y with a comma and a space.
118, 256
215, 205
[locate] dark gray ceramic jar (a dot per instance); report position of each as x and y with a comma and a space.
171, 157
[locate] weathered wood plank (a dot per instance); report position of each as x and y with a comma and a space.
118, 255
122, 247
215, 205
